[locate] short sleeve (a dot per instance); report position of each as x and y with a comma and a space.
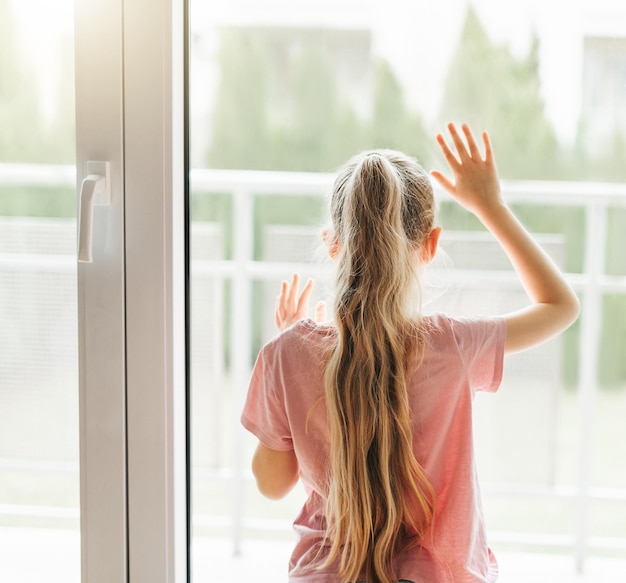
481, 345
264, 413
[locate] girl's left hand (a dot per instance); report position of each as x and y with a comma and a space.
476, 186
291, 306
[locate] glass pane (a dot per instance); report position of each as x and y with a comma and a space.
39, 478
282, 93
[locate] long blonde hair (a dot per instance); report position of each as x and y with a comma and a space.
382, 208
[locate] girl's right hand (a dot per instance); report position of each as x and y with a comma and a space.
476, 186
292, 306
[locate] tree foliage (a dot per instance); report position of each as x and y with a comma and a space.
492, 89
293, 116
239, 121
317, 129
302, 122
394, 125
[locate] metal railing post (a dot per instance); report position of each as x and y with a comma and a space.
590, 326
240, 349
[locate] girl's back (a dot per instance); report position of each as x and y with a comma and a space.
285, 403
373, 413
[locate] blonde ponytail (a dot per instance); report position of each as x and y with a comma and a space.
382, 209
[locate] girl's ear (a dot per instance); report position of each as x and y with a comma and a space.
429, 249
331, 243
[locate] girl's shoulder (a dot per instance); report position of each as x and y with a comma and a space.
308, 326
308, 329
303, 332
442, 321
442, 327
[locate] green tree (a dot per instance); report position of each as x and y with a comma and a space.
393, 124
240, 132
323, 130
609, 163
300, 141
287, 117
287, 113
491, 89
602, 164
349, 136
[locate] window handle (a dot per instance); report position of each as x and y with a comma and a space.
94, 190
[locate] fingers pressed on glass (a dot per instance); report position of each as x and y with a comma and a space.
291, 305
471, 142
458, 141
303, 302
448, 154
293, 292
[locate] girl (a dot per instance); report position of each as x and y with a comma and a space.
373, 412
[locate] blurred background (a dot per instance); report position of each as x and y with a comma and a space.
281, 94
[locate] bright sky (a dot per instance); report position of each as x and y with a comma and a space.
418, 37
426, 54
415, 35
43, 26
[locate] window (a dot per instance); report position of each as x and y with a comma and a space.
280, 94
39, 429
287, 93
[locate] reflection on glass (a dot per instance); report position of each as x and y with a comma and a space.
39, 479
281, 88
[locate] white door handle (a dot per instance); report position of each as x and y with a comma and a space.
94, 190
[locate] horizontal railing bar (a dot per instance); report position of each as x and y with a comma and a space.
604, 542
43, 466
36, 511
73, 513
488, 488
562, 193
261, 270
562, 491
526, 539
271, 525
542, 539
226, 474
556, 540
19, 261
224, 521
261, 182
37, 175
272, 270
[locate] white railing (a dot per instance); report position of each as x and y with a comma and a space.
242, 270
595, 199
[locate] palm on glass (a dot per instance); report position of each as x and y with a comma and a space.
475, 185
292, 306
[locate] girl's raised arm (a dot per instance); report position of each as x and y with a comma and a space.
476, 187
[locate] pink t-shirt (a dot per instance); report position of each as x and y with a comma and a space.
285, 410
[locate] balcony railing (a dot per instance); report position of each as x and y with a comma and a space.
244, 269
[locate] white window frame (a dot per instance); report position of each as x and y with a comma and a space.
130, 110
